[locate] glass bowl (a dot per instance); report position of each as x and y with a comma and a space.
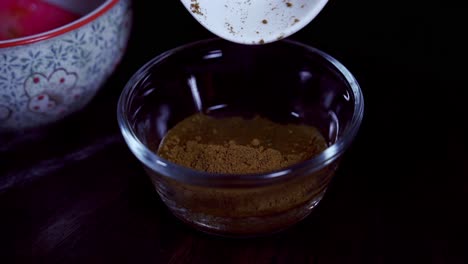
285, 81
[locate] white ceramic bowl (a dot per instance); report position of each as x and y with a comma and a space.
47, 76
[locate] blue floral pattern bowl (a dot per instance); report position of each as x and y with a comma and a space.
48, 76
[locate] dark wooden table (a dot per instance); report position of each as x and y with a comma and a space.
73, 192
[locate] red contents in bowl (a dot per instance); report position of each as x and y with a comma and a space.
20, 18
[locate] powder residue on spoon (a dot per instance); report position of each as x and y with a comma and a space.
195, 7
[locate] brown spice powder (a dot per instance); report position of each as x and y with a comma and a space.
238, 146
228, 158
195, 7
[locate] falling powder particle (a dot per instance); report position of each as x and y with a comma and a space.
255, 142
288, 4
264, 21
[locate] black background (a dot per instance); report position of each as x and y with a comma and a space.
73, 193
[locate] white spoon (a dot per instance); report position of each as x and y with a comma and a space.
254, 21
